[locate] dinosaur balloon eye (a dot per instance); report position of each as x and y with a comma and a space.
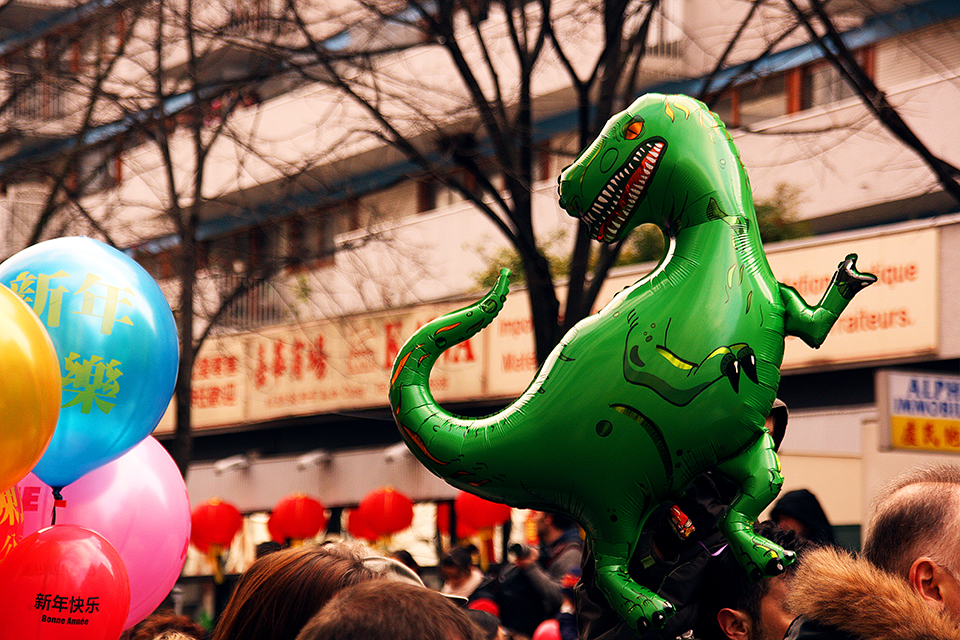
633, 130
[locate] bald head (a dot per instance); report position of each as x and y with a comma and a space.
917, 514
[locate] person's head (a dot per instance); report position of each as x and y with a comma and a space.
456, 566
280, 591
488, 623
389, 610
738, 608
406, 558
550, 525
167, 625
915, 533
800, 511
264, 548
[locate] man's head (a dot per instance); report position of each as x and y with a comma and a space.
456, 566
737, 608
550, 526
915, 533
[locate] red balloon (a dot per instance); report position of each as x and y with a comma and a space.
549, 629
298, 517
63, 582
11, 520
214, 522
443, 521
387, 511
478, 513
358, 527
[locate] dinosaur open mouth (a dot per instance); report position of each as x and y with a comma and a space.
620, 196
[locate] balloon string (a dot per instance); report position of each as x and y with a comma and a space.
57, 500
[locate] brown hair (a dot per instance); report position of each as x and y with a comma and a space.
388, 610
166, 623
280, 591
916, 515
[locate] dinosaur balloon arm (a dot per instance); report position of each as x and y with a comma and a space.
812, 324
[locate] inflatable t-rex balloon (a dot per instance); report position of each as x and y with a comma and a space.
673, 377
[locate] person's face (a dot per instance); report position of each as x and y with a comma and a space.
774, 617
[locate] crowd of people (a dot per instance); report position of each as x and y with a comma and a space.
904, 584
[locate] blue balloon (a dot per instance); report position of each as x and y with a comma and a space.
116, 341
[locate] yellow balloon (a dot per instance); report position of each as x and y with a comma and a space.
30, 389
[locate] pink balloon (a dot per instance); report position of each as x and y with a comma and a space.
36, 501
139, 503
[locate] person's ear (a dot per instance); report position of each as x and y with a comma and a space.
735, 624
927, 576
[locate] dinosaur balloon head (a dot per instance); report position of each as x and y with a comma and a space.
642, 158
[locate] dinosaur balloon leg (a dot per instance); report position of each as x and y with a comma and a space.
673, 377
757, 471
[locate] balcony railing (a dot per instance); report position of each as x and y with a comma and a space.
261, 306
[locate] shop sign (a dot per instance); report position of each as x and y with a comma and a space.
896, 317
919, 411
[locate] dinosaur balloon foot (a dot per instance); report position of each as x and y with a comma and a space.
760, 557
639, 607
849, 280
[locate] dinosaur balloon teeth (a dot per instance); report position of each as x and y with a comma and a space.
609, 212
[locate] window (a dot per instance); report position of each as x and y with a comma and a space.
763, 99
666, 34
822, 83
312, 237
815, 84
160, 265
98, 169
250, 15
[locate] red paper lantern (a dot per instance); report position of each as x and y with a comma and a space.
386, 511
358, 527
478, 513
443, 522
214, 522
274, 532
298, 517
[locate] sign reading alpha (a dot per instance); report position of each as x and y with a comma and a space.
922, 410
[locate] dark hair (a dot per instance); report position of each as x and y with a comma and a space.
561, 521
167, 621
459, 557
280, 591
916, 514
488, 623
803, 506
726, 584
264, 548
406, 558
387, 610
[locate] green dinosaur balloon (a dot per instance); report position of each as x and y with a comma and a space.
673, 377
